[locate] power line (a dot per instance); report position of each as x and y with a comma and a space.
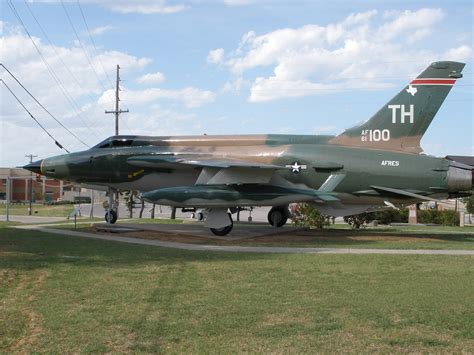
33, 117
82, 46
50, 70
93, 42
41, 105
54, 49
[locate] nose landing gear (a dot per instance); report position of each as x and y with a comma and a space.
111, 217
111, 208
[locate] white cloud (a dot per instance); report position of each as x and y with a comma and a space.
215, 56
407, 23
234, 85
190, 96
355, 53
133, 6
20, 56
238, 2
86, 118
142, 6
151, 78
462, 53
100, 30
268, 89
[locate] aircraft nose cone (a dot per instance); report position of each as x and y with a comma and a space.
34, 166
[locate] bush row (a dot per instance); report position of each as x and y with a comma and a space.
307, 215
446, 218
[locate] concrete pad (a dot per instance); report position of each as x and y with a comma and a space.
115, 229
240, 230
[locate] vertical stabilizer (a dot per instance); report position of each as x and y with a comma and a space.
400, 124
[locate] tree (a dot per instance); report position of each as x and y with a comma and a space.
469, 202
152, 211
142, 208
129, 201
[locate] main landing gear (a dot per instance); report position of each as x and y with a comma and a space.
278, 216
225, 230
218, 220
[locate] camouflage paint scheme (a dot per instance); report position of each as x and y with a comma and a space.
370, 166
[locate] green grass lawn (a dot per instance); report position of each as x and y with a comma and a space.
63, 294
39, 209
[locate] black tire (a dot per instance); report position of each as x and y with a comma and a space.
223, 231
111, 217
278, 216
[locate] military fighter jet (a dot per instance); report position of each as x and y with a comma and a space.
374, 165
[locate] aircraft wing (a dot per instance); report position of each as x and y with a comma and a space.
214, 171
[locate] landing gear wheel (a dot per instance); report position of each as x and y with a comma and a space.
278, 216
111, 217
223, 231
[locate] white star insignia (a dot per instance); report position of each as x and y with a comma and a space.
296, 167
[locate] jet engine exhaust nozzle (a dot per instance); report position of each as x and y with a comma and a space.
460, 179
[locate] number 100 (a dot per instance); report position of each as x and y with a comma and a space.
377, 135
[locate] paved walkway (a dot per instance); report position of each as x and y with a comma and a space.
32, 219
244, 249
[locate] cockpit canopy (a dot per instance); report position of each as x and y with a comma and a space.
122, 141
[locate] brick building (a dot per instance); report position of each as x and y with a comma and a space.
43, 190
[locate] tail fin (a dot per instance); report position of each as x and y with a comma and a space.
400, 124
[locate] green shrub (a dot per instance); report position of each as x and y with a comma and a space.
82, 199
358, 220
391, 216
306, 215
446, 218
450, 218
383, 217
58, 203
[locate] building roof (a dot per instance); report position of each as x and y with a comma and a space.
462, 159
14, 172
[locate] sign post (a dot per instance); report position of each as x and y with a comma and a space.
7, 209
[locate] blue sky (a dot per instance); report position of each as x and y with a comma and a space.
227, 67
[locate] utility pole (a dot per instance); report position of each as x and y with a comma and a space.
117, 110
31, 156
